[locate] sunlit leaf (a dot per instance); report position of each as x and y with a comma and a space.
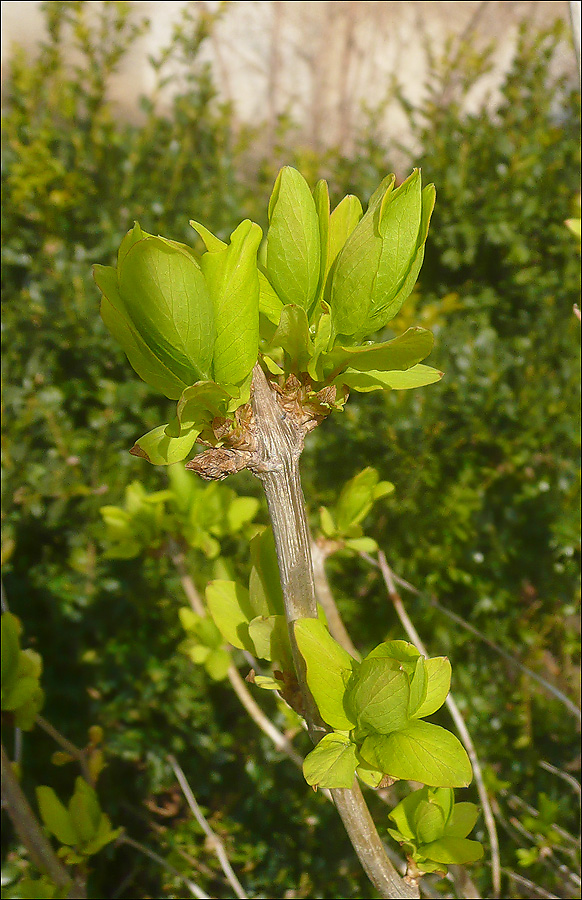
453, 851
378, 697
293, 242
329, 669
231, 610
160, 450
438, 670
232, 278
417, 376
420, 752
332, 763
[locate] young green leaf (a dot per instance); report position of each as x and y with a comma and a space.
293, 336
145, 360
355, 500
342, 222
429, 822
55, 816
322, 319
321, 200
167, 300
418, 688
231, 610
399, 226
403, 815
361, 545
198, 404
84, 811
462, 820
386, 305
417, 376
403, 651
369, 775
161, 450
327, 524
270, 638
270, 306
329, 669
232, 278
332, 763
355, 269
378, 698
438, 670
400, 353
453, 851
293, 242
105, 834
420, 752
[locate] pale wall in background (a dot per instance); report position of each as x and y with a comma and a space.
320, 62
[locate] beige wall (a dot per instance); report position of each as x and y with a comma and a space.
321, 61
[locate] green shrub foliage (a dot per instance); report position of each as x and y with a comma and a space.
485, 507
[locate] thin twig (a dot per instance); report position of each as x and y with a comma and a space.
259, 718
546, 856
186, 581
569, 779
213, 838
550, 688
67, 746
324, 595
458, 720
238, 684
191, 885
530, 885
515, 802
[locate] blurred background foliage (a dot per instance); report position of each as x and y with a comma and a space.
485, 512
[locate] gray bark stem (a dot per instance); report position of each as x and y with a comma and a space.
279, 442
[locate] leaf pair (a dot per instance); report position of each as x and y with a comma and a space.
433, 829
355, 501
253, 618
377, 267
204, 644
199, 513
189, 327
363, 266
81, 826
334, 278
378, 706
180, 320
